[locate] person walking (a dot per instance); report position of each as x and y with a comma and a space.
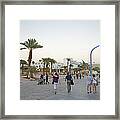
40, 80
80, 75
77, 75
89, 85
47, 82
44, 77
55, 81
74, 76
94, 83
69, 79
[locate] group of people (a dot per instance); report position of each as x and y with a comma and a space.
78, 75
68, 78
43, 79
91, 83
55, 80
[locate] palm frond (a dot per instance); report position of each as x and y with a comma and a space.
83, 62
24, 44
22, 48
39, 46
31, 43
34, 41
23, 62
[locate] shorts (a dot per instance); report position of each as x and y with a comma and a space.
94, 84
55, 85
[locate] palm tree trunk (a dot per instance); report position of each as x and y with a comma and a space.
29, 62
30, 57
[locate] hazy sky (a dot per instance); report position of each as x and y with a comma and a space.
62, 39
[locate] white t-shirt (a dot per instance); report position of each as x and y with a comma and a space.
94, 81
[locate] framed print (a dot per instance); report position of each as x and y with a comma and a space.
59, 59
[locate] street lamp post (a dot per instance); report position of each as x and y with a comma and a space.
91, 60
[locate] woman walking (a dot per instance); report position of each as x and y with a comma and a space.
69, 81
55, 82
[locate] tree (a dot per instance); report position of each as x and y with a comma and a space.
31, 70
96, 69
52, 61
30, 44
22, 63
47, 62
85, 66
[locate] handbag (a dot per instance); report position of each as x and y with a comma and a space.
72, 83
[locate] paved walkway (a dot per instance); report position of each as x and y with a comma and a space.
29, 90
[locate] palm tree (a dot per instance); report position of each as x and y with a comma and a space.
45, 63
30, 44
31, 71
85, 66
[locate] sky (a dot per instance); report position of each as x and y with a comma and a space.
62, 39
